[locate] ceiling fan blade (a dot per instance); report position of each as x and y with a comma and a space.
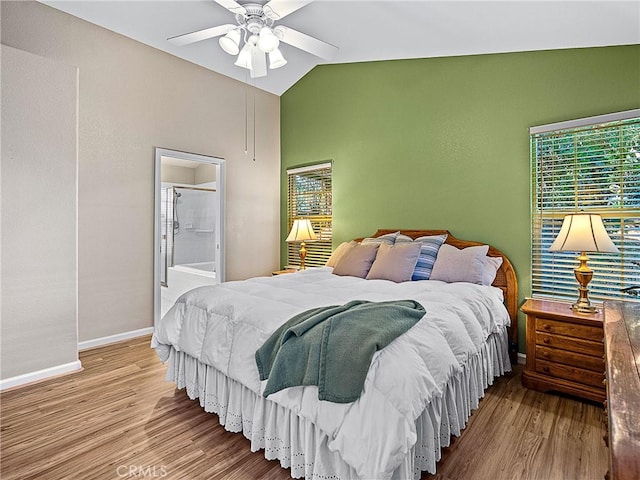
201, 34
278, 9
232, 6
305, 42
258, 63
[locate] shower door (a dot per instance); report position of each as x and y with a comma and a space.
193, 225
166, 218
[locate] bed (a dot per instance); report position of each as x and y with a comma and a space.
419, 390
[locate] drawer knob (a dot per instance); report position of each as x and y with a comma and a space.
546, 340
545, 369
546, 327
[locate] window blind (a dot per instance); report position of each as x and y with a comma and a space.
594, 167
309, 196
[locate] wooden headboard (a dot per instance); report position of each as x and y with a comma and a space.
505, 278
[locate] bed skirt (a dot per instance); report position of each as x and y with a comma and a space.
302, 447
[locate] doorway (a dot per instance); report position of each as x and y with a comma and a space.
189, 225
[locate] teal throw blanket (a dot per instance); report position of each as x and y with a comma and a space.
332, 347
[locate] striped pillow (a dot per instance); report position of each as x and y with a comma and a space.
427, 257
388, 238
402, 238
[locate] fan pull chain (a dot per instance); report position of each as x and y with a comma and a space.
246, 114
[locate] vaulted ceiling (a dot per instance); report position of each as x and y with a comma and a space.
375, 30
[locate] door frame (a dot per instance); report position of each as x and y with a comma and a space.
220, 187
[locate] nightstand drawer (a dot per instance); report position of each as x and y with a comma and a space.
573, 374
571, 358
578, 345
569, 329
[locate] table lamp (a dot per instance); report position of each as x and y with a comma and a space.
301, 231
583, 232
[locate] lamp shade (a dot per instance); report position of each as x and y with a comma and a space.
230, 43
301, 231
268, 42
276, 59
583, 232
244, 58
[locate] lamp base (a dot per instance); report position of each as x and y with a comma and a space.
581, 307
303, 254
584, 275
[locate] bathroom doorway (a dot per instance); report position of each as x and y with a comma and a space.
189, 225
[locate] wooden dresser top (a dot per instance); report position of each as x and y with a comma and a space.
622, 346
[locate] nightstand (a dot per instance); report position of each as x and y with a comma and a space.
286, 270
565, 350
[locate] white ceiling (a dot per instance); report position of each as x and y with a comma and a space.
375, 30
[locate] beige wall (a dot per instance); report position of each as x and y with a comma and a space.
204, 173
133, 98
38, 249
176, 174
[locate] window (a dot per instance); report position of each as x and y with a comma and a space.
309, 196
593, 165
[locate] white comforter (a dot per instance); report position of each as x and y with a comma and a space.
224, 325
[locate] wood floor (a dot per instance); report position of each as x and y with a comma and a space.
119, 419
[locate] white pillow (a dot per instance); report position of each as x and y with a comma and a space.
395, 262
491, 266
357, 261
337, 254
454, 265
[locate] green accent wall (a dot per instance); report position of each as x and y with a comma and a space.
444, 142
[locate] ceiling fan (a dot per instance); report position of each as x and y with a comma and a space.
255, 25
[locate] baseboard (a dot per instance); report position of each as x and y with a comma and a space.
45, 374
118, 337
522, 358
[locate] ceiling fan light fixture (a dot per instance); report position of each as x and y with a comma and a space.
244, 58
268, 41
230, 43
256, 20
276, 59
